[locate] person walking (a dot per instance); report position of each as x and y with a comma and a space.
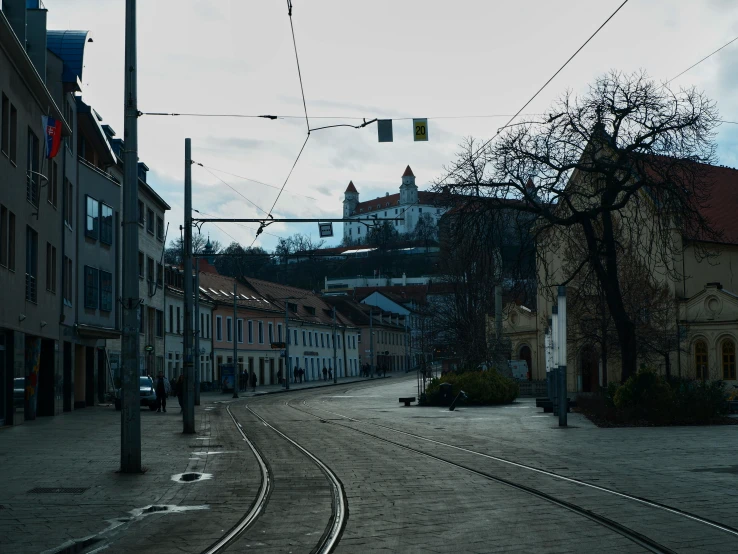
253, 380
179, 391
161, 393
325, 374
330, 373
302, 374
279, 377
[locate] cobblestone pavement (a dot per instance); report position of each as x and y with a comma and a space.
399, 500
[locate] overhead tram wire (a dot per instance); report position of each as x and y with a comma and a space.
232, 188
702, 60
252, 229
257, 182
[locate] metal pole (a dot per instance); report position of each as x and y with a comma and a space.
198, 330
130, 415
371, 343
288, 370
563, 400
555, 364
335, 367
235, 341
498, 323
188, 419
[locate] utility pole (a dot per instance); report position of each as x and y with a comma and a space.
563, 400
188, 419
371, 342
198, 330
130, 415
288, 370
235, 340
335, 367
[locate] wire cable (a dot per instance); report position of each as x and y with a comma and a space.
297, 59
230, 187
252, 229
702, 60
255, 181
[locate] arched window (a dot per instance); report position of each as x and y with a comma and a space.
700, 360
728, 360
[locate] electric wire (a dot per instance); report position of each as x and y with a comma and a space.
232, 188
255, 181
702, 60
252, 229
297, 59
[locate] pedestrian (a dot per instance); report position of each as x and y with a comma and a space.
253, 382
302, 374
325, 374
330, 373
179, 391
161, 393
279, 376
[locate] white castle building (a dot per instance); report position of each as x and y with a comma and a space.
409, 204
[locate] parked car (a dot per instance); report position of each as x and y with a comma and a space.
147, 391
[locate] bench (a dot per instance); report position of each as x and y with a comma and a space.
407, 400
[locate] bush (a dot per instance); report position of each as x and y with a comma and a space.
482, 388
649, 397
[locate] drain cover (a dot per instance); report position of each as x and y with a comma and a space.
58, 490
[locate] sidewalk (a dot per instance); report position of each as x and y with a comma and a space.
61, 486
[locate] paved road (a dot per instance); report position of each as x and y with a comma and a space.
495, 479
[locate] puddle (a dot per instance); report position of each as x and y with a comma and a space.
168, 508
191, 476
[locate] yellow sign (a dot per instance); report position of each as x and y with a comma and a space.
420, 130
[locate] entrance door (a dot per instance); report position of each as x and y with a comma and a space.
271, 371
525, 354
67, 377
45, 401
261, 371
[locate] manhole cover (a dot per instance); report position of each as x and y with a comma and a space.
58, 490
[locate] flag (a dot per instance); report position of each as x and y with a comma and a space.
53, 132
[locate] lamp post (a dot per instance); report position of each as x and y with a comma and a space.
563, 400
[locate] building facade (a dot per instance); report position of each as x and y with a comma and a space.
409, 204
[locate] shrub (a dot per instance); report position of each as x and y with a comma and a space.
645, 395
481, 387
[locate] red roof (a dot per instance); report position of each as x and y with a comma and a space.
384, 202
351, 187
408, 172
205, 266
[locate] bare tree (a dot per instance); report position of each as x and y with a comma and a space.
619, 165
174, 253
426, 231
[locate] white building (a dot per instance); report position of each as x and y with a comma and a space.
408, 204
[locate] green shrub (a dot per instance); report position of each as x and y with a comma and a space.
481, 387
698, 401
645, 396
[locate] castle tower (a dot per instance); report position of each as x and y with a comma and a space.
408, 189
350, 199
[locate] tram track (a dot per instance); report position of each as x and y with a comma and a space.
339, 505
627, 532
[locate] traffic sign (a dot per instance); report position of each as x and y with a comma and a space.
384, 130
326, 229
420, 130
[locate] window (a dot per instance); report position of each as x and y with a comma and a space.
140, 265
310, 338
295, 330
92, 217
106, 294
141, 312
150, 221
92, 290
171, 318
67, 281
271, 332
322, 343
106, 224
5, 118
149, 269
420, 210
3, 236
251, 332
52, 185
179, 320
50, 268
159, 274
261, 332
201, 330
219, 328
68, 202
304, 343
229, 329
239, 330
279, 332
338, 337
700, 360
31, 264
159, 323
728, 360
159, 228
32, 166
141, 213
208, 321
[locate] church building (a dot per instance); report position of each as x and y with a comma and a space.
409, 204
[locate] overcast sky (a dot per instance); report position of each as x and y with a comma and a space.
384, 58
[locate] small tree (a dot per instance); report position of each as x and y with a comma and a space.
426, 231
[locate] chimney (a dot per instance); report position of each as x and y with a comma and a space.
15, 11
36, 36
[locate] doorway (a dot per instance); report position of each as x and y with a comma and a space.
45, 401
271, 371
101, 375
67, 377
525, 354
261, 371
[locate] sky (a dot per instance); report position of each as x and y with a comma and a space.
461, 64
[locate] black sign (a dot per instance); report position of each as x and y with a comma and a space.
326, 229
